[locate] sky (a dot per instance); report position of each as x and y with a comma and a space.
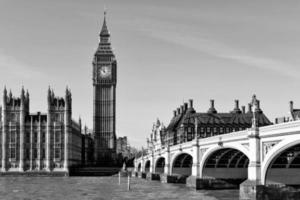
168, 51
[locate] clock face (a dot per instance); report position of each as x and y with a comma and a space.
104, 71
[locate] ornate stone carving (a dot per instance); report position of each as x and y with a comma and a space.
201, 153
267, 146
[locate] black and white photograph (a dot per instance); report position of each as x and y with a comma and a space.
149, 100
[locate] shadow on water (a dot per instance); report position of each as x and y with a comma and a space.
98, 188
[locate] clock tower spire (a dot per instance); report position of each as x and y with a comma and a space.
104, 85
104, 31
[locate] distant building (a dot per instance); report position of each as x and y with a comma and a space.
87, 147
126, 153
122, 145
186, 124
293, 115
39, 142
157, 138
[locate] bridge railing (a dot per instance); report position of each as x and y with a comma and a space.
283, 128
286, 127
181, 145
212, 139
224, 137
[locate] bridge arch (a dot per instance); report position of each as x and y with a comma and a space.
160, 165
225, 162
182, 164
147, 166
282, 163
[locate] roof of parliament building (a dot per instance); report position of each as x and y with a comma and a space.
16, 104
186, 115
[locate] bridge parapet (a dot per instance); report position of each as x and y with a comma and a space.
181, 146
240, 135
282, 128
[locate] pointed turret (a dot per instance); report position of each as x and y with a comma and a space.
10, 94
68, 99
23, 101
4, 97
157, 122
49, 92
27, 101
52, 94
27, 95
22, 94
104, 31
5, 91
49, 97
80, 124
85, 129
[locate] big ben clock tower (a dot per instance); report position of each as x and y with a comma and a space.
104, 118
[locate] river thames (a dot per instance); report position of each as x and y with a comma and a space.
98, 188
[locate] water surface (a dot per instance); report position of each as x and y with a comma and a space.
98, 188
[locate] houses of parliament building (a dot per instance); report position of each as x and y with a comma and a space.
53, 141
50, 141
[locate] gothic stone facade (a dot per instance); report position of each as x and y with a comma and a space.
157, 137
39, 142
87, 155
104, 82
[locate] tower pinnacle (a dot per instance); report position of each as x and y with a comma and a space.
104, 47
104, 31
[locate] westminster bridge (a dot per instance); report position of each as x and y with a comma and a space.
254, 158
